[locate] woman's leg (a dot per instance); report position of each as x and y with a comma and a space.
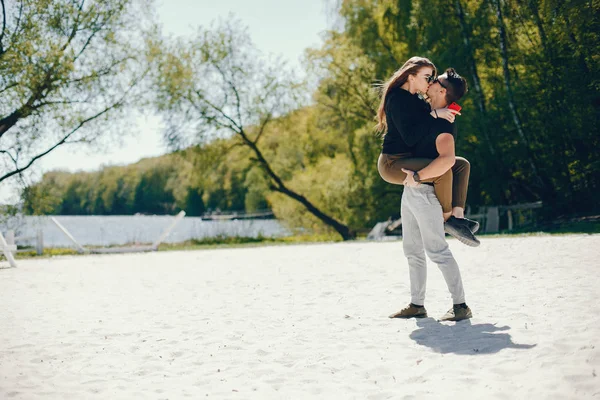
390, 168
460, 183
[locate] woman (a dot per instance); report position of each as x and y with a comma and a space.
405, 118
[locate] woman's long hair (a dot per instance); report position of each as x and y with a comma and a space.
411, 67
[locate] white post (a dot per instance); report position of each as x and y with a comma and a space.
7, 249
10, 237
39, 244
168, 230
80, 248
492, 220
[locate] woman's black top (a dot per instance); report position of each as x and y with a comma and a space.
408, 121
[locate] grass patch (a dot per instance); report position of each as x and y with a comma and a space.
229, 242
48, 252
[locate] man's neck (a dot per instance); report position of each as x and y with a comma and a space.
438, 103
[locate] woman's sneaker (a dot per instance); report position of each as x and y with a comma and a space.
471, 224
458, 312
459, 229
411, 311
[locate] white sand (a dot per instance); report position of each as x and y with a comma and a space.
306, 321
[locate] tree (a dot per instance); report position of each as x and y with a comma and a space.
67, 69
217, 84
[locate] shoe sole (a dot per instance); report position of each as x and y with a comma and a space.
456, 320
454, 233
412, 316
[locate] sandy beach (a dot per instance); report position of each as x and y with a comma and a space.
303, 321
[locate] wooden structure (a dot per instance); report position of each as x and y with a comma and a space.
128, 249
8, 250
8, 244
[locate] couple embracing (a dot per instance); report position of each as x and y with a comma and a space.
417, 117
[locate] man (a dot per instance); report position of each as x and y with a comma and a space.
421, 213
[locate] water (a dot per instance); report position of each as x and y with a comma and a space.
121, 230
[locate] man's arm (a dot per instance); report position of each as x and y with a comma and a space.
444, 144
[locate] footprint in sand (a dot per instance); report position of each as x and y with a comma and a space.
262, 353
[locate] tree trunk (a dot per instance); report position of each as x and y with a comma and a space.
280, 187
496, 166
9, 121
480, 97
22, 112
549, 73
511, 102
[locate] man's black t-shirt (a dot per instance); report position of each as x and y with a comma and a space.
425, 147
408, 121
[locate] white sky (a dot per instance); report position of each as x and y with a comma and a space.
279, 27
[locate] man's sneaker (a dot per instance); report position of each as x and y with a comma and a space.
458, 312
411, 311
460, 231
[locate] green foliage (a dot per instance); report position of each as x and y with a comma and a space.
556, 106
68, 69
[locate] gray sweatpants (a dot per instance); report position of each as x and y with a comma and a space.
423, 232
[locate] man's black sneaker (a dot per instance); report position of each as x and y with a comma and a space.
457, 313
411, 311
459, 230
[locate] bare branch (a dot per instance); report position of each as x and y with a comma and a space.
17, 25
47, 103
74, 30
102, 72
10, 86
65, 139
209, 118
60, 142
238, 144
88, 41
237, 96
9, 154
263, 125
217, 109
3, 27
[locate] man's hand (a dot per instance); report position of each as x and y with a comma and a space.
410, 178
447, 114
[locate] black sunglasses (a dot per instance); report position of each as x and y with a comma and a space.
434, 80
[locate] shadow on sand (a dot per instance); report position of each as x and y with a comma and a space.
463, 337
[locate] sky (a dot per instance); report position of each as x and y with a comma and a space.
280, 27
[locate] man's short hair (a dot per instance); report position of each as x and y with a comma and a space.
457, 85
